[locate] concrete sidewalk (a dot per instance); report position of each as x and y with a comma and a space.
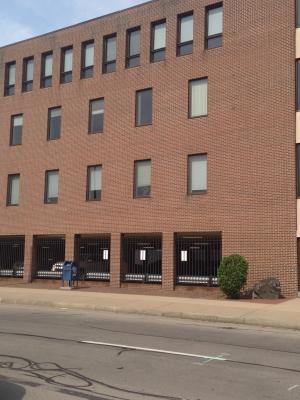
284, 314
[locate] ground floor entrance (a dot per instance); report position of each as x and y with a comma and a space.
12, 256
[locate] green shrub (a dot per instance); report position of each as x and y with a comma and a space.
232, 275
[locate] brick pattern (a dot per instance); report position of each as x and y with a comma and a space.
249, 136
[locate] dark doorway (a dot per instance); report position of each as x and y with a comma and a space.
141, 258
198, 257
92, 255
12, 256
49, 256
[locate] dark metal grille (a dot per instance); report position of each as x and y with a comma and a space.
93, 257
198, 257
12, 256
141, 259
49, 256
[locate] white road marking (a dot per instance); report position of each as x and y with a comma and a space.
292, 388
175, 353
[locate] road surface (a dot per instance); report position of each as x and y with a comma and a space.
48, 354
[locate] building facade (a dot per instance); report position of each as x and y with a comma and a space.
149, 143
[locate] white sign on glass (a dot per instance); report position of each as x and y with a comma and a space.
184, 255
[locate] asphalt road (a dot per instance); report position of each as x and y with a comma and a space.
44, 355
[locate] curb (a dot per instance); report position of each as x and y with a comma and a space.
263, 323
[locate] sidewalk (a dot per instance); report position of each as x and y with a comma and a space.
285, 314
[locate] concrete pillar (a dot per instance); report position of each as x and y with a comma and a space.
69, 249
28, 259
168, 264
115, 260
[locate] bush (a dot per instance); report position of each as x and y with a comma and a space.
232, 275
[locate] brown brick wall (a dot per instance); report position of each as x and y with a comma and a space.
249, 136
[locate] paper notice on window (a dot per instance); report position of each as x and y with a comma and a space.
184, 256
105, 254
143, 255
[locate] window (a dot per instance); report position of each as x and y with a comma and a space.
298, 85
142, 178
214, 26
46, 72
110, 53
54, 123
143, 107
96, 116
27, 81
16, 130
133, 47
185, 34
158, 41
94, 183
87, 59
197, 173
298, 169
51, 187
297, 13
10, 79
198, 97
66, 66
13, 190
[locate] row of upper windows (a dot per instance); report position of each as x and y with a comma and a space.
197, 181
198, 106
185, 39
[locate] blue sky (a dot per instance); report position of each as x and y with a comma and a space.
21, 19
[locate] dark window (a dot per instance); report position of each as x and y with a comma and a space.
158, 41
142, 178
297, 13
46, 71
185, 34
10, 79
96, 116
133, 47
214, 26
143, 107
27, 81
54, 123
197, 173
94, 183
16, 130
13, 190
87, 59
298, 85
298, 168
66, 65
110, 53
51, 186
198, 97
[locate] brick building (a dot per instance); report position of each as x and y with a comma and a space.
149, 143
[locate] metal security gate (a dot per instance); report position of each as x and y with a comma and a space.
92, 255
198, 257
141, 258
49, 256
12, 256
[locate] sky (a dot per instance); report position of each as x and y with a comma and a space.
22, 19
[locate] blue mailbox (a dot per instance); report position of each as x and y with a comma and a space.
69, 272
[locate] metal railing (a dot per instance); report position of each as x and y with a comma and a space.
92, 255
12, 256
197, 258
141, 258
49, 254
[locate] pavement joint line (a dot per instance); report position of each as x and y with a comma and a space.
149, 350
